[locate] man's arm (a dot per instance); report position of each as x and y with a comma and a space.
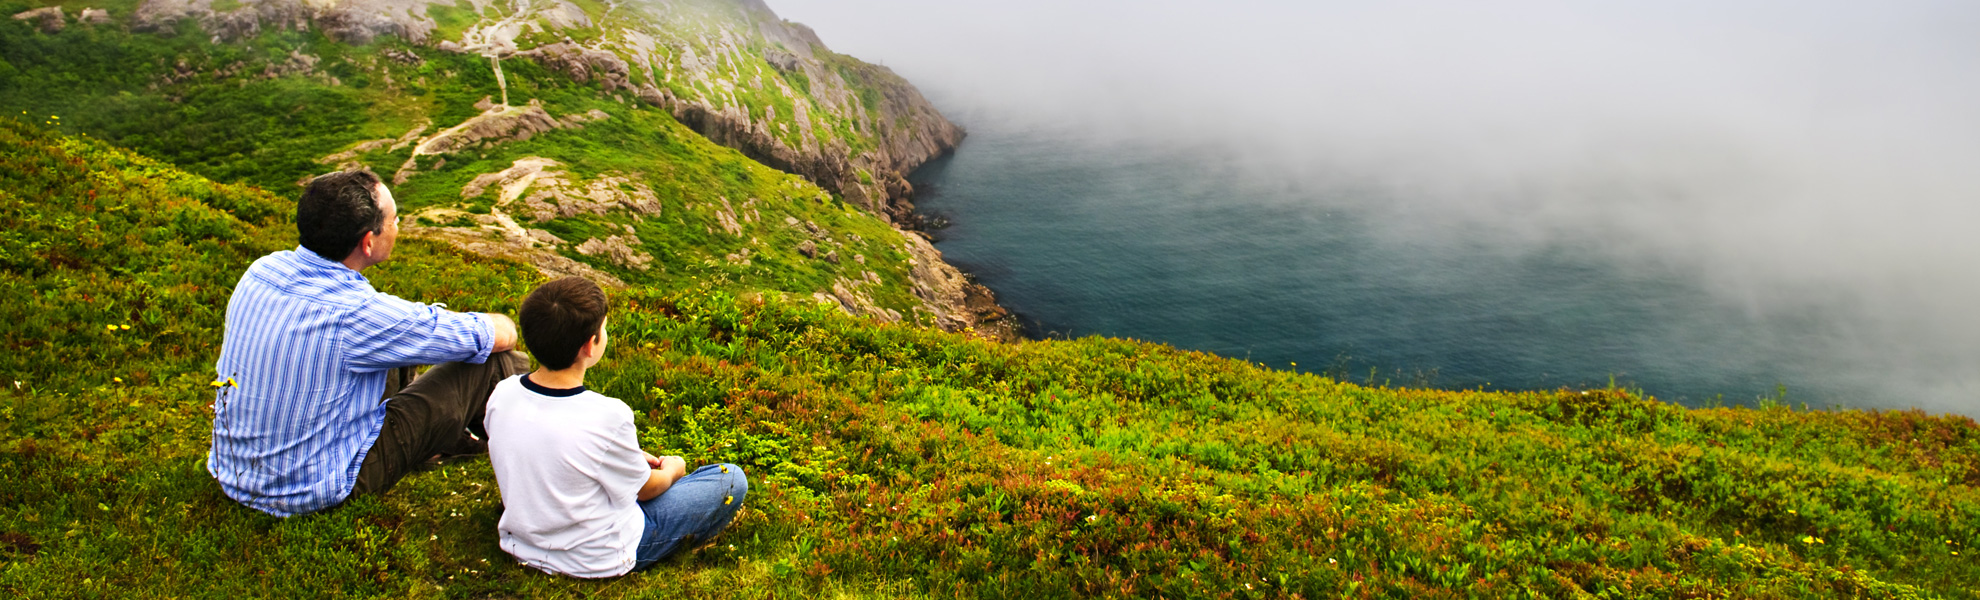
388, 332
504, 330
666, 470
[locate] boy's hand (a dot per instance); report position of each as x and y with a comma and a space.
666, 470
660, 462
672, 464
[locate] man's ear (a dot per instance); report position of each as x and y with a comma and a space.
364, 244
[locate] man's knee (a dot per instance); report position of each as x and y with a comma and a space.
512, 361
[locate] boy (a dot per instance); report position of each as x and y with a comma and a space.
580, 498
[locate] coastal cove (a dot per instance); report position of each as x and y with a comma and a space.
1189, 247
1407, 322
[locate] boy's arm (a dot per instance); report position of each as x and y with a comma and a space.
667, 470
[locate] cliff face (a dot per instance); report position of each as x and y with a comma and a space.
730, 70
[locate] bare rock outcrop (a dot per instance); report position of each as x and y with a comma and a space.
513, 181
94, 16
546, 262
49, 18
498, 124
495, 125
620, 250
538, 188
958, 303
582, 64
353, 21
497, 236
564, 15
850, 296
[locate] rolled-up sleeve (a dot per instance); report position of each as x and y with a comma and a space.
388, 332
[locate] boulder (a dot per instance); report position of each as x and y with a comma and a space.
500, 125
618, 250
49, 18
565, 15
582, 64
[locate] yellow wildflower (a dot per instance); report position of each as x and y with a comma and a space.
116, 380
125, 327
1808, 539
110, 327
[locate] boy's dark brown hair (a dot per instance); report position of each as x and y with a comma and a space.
559, 317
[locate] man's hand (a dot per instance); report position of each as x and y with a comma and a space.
504, 329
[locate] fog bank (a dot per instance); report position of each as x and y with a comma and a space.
1811, 156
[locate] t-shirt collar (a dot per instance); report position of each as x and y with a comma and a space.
551, 392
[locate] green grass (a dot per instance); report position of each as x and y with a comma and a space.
899, 461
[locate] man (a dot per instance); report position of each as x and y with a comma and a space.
309, 410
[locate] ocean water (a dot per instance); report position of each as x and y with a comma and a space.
1183, 247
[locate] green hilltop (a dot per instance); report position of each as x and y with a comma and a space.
888, 457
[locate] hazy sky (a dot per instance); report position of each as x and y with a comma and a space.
1790, 153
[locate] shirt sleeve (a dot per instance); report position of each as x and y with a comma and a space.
388, 332
622, 467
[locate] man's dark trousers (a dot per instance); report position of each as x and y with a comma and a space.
432, 416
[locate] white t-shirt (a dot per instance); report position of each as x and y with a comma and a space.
569, 468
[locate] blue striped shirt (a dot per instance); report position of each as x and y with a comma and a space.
308, 344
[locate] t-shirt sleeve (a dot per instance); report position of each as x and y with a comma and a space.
622, 467
388, 332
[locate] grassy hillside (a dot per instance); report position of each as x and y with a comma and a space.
889, 460
282, 105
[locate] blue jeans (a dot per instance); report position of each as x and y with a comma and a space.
690, 512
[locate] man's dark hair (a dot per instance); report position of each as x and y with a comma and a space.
335, 212
558, 317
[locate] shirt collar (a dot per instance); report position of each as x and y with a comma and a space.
309, 259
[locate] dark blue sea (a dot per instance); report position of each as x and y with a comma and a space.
1189, 248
